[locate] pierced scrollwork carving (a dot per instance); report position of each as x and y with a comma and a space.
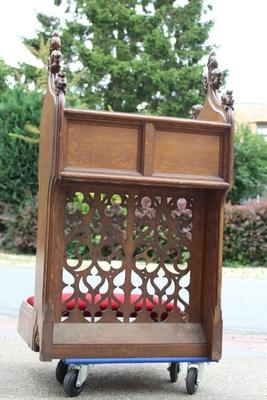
228, 100
214, 76
196, 109
54, 66
127, 256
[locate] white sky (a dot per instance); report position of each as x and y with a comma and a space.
239, 31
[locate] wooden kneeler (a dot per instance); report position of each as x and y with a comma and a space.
130, 230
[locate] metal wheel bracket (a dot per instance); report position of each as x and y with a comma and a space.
82, 373
200, 370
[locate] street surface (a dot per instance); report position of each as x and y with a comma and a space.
244, 300
240, 375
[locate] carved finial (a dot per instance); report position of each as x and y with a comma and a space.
214, 76
54, 66
196, 109
228, 100
214, 109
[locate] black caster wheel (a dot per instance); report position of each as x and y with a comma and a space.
174, 370
191, 380
61, 371
70, 383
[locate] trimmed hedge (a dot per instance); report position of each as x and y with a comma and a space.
18, 226
245, 234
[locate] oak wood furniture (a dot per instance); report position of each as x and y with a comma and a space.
130, 229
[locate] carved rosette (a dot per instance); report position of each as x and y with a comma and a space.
227, 100
196, 109
54, 67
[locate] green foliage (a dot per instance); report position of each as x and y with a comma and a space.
34, 135
20, 225
250, 165
19, 113
18, 159
40, 73
6, 72
245, 234
133, 55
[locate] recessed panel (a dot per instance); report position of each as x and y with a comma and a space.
102, 147
187, 153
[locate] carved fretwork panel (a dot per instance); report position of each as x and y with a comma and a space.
128, 255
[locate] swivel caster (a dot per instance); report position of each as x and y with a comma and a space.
191, 380
70, 383
61, 371
74, 380
174, 370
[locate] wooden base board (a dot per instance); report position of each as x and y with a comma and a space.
128, 340
128, 333
127, 351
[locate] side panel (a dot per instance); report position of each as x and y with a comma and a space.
45, 258
46, 151
212, 272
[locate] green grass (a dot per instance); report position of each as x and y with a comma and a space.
16, 260
20, 260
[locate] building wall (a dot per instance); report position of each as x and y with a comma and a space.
255, 115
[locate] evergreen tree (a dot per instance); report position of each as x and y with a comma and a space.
134, 55
250, 165
19, 109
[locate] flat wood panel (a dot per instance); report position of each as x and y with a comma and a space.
142, 333
27, 324
186, 153
122, 350
92, 146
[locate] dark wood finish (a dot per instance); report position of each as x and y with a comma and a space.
160, 180
137, 202
27, 326
128, 334
85, 148
130, 350
146, 233
144, 146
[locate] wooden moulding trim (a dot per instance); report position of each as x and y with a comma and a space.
160, 179
100, 116
108, 351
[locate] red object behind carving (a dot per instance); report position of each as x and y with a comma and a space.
104, 304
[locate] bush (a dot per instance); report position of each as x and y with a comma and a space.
245, 234
18, 160
250, 165
19, 225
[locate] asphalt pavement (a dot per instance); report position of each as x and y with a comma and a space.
240, 375
244, 300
